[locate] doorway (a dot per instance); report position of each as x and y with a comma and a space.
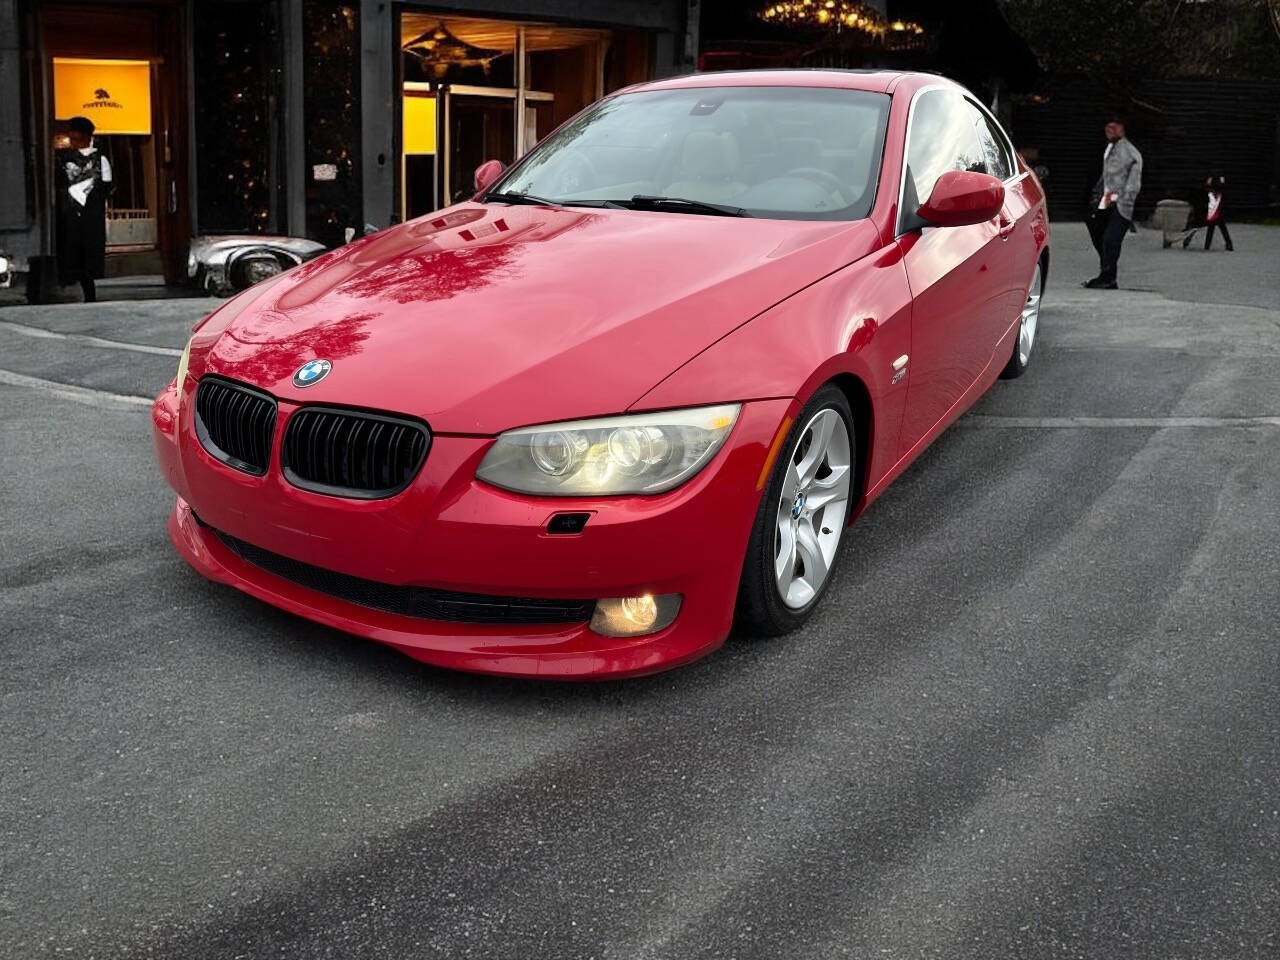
122, 67
496, 88
481, 126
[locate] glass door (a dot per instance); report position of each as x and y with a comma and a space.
480, 125
497, 87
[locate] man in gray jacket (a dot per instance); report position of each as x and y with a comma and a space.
1111, 206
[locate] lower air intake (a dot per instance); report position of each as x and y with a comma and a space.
419, 602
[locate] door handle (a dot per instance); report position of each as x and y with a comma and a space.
1005, 226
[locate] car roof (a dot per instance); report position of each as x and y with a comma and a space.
876, 81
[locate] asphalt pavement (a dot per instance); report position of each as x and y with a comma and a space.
1037, 716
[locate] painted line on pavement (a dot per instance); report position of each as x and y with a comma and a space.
89, 341
69, 391
1113, 423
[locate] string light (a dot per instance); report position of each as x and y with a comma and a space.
838, 16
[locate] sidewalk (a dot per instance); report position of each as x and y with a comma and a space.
109, 289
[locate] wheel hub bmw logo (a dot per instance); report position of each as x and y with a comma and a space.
312, 372
797, 508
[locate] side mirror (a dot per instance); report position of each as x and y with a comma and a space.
486, 173
961, 197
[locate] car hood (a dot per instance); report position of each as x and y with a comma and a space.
486, 317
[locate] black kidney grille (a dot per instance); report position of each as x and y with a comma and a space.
235, 423
420, 602
352, 454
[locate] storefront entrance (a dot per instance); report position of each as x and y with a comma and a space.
495, 87
122, 68
481, 125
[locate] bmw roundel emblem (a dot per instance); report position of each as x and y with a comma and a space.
312, 372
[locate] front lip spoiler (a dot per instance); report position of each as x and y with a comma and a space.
534, 652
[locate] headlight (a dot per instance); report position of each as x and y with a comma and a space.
181, 378
255, 268
645, 453
193, 265
4, 264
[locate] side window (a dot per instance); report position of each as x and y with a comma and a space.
943, 137
995, 153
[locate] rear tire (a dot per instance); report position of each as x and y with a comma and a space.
1028, 328
794, 544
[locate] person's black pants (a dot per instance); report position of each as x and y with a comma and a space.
1208, 233
1107, 229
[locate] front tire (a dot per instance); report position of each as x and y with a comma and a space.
801, 519
1028, 327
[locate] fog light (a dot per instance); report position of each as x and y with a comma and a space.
634, 616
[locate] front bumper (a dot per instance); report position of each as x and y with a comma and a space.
447, 531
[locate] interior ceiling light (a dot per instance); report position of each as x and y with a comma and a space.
438, 49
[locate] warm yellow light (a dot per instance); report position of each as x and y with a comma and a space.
836, 13
642, 611
114, 94
635, 616
419, 118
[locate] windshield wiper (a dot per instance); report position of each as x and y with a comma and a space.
519, 198
643, 201
640, 201
543, 201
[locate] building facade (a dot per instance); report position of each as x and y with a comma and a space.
311, 118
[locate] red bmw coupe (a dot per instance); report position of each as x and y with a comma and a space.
632, 393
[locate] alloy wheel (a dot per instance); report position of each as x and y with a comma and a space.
1030, 319
812, 508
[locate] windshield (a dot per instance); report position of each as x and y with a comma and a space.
783, 152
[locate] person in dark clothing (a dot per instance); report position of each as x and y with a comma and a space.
84, 181
1212, 212
1111, 205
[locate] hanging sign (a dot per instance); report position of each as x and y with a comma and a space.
419, 133
114, 94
